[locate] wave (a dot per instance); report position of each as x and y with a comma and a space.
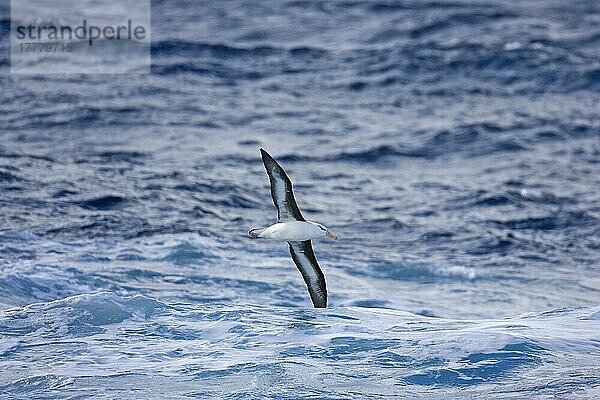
528, 66
123, 339
104, 203
423, 273
561, 220
217, 50
79, 315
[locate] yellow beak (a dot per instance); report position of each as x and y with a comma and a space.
331, 235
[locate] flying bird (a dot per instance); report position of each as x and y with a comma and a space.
297, 231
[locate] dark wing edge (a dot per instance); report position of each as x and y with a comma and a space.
304, 258
281, 190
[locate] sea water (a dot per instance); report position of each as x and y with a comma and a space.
454, 146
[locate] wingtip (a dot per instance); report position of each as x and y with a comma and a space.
265, 155
320, 305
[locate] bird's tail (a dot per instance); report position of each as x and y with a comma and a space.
255, 233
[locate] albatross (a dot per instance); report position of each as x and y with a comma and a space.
297, 231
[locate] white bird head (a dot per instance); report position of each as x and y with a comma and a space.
327, 232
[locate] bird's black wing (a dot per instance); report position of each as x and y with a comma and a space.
304, 258
281, 190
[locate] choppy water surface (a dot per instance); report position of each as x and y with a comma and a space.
454, 147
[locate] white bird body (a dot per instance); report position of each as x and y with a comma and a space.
291, 231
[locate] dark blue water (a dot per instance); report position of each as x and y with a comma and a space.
453, 145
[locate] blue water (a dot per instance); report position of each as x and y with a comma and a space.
453, 145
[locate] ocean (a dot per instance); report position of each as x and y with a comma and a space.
453, 145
